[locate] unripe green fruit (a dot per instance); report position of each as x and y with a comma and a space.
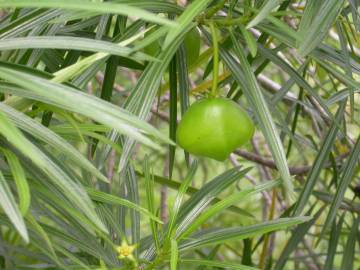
153, 48
191, 43
214, 128
192, 46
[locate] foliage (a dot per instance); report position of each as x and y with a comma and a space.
90, 173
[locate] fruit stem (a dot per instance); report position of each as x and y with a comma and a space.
215, 60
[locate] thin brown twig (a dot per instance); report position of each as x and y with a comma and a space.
270, 163
301, 170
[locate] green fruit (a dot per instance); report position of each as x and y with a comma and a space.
191, 43
153, 48
214, 128
192, 46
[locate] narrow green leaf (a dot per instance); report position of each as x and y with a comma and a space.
149, 186
225, 235
320, 160
28, 22
323, 18
311, 10
101, 7
250, 40
9, 206
174, 255
72, 190
333, 242
345, 179
297, 236
100, 196
20, 181
173, 112
345, 56
295, 75
184, 85
343, 78
209, 257
264, 12
71, 43
225, 203
92, 107
202, 198
109, 78
191, 190
262, 112
179, 198
213, 263
37, 130
34, 225
349, 251
93, 60
341, 95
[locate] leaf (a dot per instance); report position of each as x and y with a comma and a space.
250, 40
340, 95
295, 75
149, 186
103, 197
213, 210
322, 16
20, 181
173, 112
9, 206
37, 130
191, 190
93, 61
198, 201
179, 198
73, 191
202, 198
297, 236
28, 22
256, 99
101, 7
343, 78
67, 98
264, 12
320, 160
70, 43
34, 225
349, 251
213, 263
174, 255
345, 54
345, 180
225, 235
333, 242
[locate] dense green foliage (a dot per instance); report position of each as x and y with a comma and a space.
91, 176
